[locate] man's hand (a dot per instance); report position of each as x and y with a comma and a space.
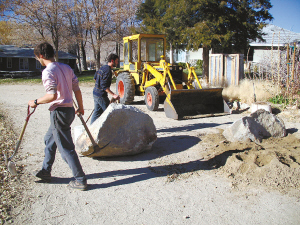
117, 97
79, 111
32, 104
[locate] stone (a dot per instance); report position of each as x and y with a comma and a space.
260, 124
121, 130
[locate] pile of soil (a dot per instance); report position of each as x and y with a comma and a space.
274, 163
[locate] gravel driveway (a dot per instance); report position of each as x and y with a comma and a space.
157, 187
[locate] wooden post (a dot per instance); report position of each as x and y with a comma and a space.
218, 70
214, 71
293, 64
278, 64
272, 60
287, 66
233, 70
248, 65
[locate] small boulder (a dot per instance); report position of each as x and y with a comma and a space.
120, 130
260, 124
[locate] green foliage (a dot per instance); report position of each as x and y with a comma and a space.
226, 26
282, 100
24, 80
199, 64
278, 99
198, 72
86, 77
183, 65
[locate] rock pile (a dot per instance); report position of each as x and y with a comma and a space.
260, 124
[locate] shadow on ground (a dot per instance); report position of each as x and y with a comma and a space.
129, 176
160, 148
291, 130
190, 127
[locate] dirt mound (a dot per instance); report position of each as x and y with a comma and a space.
274, 163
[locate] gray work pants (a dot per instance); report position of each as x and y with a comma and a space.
59, 136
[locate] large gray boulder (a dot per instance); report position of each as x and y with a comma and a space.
260, 124
120, 130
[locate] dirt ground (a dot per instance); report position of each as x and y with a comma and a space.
192, 175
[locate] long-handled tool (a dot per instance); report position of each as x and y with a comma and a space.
95, 145
8, 160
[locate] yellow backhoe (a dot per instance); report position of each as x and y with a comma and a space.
146, 73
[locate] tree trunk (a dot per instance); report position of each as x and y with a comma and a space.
118, 53
171, 54
78, 58
83, 56
97, 58
98, 46
206, 63
56, 50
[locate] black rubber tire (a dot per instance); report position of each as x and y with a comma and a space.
125, 88
151, 98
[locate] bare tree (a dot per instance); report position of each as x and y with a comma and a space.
25, 35
76, 18
45, 17
6, 29
125, 21
74, 22
105, 18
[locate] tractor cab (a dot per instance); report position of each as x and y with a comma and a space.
143, 48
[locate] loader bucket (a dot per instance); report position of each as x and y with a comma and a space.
191, 102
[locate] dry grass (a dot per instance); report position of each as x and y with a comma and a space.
10, 188
244, 92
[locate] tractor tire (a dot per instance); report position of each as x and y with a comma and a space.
125, 88
151, 98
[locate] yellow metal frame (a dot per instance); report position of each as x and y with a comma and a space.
191, 77
157, 72
138, 37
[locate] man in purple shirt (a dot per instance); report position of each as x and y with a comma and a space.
59, 82
102, 87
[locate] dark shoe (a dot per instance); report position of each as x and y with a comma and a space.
76, 185
43, 175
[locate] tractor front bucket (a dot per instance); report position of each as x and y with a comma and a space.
192, 102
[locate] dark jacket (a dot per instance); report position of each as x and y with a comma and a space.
103, 79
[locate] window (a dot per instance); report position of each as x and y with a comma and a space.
38, 64
134, 50
126, 60
23, 64
152, 49
9, 62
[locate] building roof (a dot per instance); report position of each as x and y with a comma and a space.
275, 34
12, 51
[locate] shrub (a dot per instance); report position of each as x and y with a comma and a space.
183, 65
199, 64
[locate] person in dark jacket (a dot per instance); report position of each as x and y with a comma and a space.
101, 90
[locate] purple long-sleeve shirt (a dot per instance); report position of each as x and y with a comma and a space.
59, 78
